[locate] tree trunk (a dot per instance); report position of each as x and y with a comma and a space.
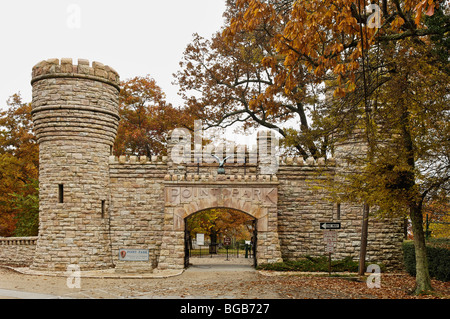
213, 246
423, 281
364, 233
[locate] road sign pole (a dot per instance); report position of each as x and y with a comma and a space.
330, 237
329, 264
227, 242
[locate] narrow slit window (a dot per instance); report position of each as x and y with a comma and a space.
103, 208
61, 193
338, 209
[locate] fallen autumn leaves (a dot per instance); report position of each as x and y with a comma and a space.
393, 286
211, 283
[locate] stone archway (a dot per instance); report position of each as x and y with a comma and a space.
257, 198
217, 235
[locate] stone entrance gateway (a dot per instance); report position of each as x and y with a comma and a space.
94, 205
257, 198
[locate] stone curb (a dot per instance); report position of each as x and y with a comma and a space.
271, 273
99, 274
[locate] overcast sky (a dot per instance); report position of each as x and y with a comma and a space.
135, 37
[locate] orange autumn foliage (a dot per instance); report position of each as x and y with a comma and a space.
19, 160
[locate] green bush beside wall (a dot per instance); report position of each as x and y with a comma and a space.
438, 254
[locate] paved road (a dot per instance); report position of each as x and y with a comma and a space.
205, 278
208, 278
13, 294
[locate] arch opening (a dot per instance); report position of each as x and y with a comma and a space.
220, 237
185, 198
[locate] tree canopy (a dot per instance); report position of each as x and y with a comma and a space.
339, 67
218, 222
19, 165
146, 118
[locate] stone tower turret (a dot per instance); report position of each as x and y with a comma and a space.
75, 113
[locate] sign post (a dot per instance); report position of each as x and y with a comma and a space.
200, 239
227, 242
330, 238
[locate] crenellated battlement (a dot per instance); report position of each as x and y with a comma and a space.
210, 178
138, 160
53, 68
310, 161
75, 102
282, 160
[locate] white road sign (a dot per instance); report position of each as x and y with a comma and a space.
330, 238
200, 239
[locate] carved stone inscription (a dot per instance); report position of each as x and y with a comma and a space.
256, 195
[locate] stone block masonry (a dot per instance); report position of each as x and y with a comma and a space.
93, 204
17, 251
137, 211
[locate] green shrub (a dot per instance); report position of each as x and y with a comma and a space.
438, 255
312, 264
409, 258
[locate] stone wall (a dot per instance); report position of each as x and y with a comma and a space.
17, 251
384, 243
303, 204
137, 209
